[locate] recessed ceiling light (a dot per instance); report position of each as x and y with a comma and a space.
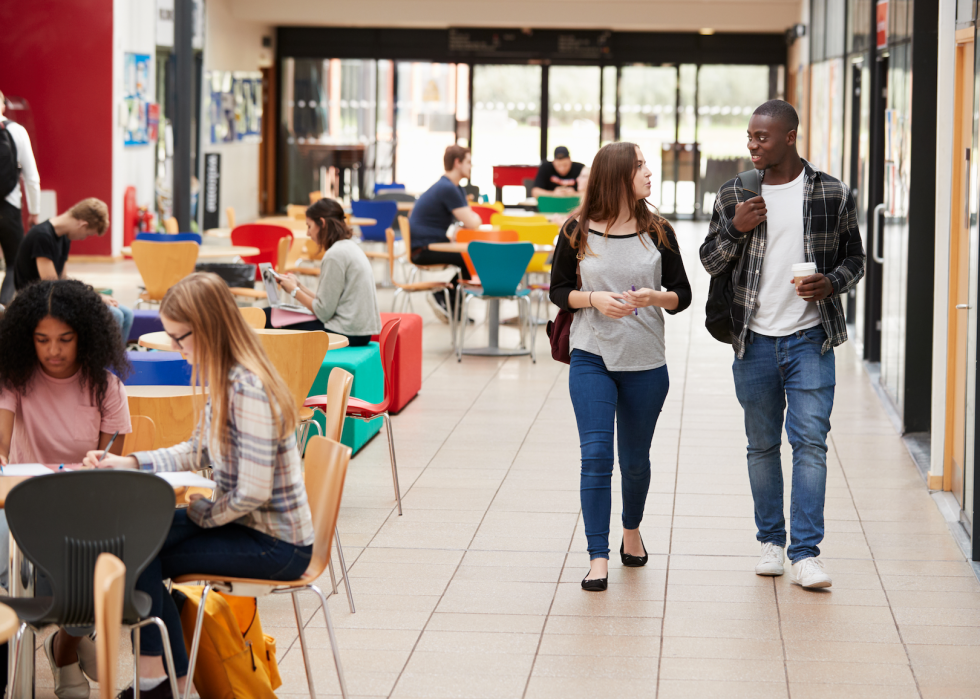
706, 32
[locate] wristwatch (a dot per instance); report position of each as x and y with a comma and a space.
293, 292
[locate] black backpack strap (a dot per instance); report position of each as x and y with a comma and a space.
751, 182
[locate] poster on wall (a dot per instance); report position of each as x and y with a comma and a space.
136, 102
235, 106
212, 190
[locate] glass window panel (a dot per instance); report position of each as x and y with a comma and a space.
384, 148
836, 14
818, 26
648, 99
858, 25
426, 115
506, 121
965, 11
573, 111
609, 88
826, 144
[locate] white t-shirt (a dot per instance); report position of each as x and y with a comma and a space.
780, 311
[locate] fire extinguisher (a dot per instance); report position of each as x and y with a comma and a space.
145, 219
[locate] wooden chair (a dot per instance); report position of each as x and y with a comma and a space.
315, 197
409, 288
161, 265
171, 408
9, 623
143, 437
230, 215
110, 578
296, 211
406, 231
326, 468
297, 356
170, 225
254, 317
310, 253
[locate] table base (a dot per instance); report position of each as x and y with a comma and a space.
495, 351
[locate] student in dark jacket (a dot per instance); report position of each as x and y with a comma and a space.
631, 272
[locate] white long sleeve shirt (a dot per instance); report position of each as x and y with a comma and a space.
28, 169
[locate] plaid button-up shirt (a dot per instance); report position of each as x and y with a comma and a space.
260, 479
831, 239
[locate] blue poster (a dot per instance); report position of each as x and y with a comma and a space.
136, 90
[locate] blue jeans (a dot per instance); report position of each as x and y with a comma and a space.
605, 399
233, 549
777, 375
123, 316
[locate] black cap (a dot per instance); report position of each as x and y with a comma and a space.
561, 152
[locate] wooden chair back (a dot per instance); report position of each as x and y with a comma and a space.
325, 470
110, 578
144, 434
406, 231
230, 215
170, 225
315, 197
254, 317
297, 356
9, 623
338, 394
282, 254
163, 264
312, 251
296, 211
171, 408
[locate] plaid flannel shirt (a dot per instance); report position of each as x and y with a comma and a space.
260, 479
831, 239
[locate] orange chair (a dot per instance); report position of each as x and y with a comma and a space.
466, 235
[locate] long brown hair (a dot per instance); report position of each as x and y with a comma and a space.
222, 340
328, 215
610, 185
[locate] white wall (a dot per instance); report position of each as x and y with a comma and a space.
133, 32
234, 44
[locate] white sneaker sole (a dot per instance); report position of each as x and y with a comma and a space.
816, 585
771, 571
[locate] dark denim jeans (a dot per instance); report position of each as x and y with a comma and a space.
777, 375
603, 399
233, 550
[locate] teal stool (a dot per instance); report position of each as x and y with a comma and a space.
369, 385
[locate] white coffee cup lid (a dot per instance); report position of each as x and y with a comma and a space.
805, 267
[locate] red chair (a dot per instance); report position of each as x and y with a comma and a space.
406, 369
266, 238
484, 212
361, 410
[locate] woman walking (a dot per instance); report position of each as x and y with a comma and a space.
617, 267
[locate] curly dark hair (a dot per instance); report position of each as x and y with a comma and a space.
76, 304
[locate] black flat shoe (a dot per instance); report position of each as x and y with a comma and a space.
161, 691
631, 561
597, 585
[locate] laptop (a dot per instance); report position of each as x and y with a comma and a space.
272, 291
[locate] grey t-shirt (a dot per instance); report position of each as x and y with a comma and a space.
346, 301
635, 342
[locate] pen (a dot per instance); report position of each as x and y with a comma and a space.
105, 452
636, 311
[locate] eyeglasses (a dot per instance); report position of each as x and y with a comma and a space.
178, 339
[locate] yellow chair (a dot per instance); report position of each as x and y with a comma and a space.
505, 221
142, 438
110, 578
296, 211
170, 225
230, 214
326, 468
498, 205
539, 234
162, 265
254, 317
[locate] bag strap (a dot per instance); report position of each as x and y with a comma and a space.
751, 182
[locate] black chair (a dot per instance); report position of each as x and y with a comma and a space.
62, 523
394, 195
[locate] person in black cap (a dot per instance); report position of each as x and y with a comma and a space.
557, 178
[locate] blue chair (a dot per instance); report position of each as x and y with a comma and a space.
381, 186
383, 212
500, 267
170, 237
158, 369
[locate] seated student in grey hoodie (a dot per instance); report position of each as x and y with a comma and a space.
345, 301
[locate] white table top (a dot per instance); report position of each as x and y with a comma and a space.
211, 252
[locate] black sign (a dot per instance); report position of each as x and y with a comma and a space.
541, 44
212, 190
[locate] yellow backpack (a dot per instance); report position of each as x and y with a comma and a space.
235, 659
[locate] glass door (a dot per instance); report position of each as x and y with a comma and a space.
647, 112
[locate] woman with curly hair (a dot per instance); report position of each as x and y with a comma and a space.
59, 400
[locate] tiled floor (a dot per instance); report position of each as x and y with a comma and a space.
474, 592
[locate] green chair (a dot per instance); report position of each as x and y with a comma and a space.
557, 205
369, 385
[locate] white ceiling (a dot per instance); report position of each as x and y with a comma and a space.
620, 15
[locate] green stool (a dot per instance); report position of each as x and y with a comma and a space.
369, 385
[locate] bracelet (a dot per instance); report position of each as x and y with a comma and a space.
590, 300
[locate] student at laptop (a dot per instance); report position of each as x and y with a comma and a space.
345, 301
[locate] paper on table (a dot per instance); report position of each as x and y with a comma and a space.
187, 479
26, 470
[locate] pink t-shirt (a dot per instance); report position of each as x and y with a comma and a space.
57, 421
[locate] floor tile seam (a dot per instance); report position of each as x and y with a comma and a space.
782, 639
673, 499
891, 610
482, 519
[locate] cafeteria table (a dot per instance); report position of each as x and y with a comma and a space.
211, 252
161, 341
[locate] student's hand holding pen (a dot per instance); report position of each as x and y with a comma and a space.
97, 458
641, 298
609, 304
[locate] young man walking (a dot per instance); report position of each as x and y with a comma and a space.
784, 333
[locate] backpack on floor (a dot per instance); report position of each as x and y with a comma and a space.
9, 169
235, 659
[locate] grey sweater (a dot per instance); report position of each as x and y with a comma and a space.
346, 301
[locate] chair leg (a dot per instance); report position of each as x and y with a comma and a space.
343, 567
532, 329
452, 315
196, 642
168, 655
333, 640
333, 576
18, 641
137, 651
394, 299
394, 463
302, 645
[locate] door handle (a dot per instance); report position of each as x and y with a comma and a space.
963, 307
875, 255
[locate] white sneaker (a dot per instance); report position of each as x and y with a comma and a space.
69, 682
809, 572
771, 562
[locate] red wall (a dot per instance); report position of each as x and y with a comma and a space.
57, 54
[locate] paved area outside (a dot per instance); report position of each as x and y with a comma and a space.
474, 592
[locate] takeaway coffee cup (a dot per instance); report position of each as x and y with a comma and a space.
801, 271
